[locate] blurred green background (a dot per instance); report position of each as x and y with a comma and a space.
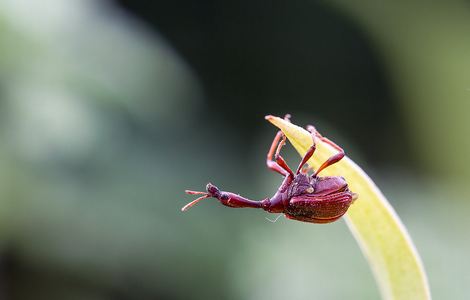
109, 110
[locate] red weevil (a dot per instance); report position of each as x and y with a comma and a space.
302, 197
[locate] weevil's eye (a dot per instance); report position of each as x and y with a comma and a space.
309, 190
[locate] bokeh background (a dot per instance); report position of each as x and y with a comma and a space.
110, 109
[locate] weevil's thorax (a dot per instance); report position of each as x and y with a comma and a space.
302, 184
330, 184
306, 185
309, 184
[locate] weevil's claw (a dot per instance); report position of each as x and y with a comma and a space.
312, 129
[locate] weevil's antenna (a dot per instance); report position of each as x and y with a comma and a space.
195, 192
190, 204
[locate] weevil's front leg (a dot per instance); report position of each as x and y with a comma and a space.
333, 159
226, 198
269, 157
279, 165
308, 154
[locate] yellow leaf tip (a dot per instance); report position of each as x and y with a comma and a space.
273, 119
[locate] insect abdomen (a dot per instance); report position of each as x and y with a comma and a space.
324, 209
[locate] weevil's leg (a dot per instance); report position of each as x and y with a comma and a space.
276, 148
227, 198
333, 159
308, 154
269, 158
279, 159
279, 164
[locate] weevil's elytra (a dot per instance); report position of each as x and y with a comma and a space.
301, 196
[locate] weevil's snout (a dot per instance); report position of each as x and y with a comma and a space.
212, 190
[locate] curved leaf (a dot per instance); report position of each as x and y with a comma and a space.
373, 222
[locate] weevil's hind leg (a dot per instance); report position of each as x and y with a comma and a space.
308, 154
279, 164
333, 159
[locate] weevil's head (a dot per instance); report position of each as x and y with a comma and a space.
212, 190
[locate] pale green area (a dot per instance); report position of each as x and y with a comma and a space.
425, 47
